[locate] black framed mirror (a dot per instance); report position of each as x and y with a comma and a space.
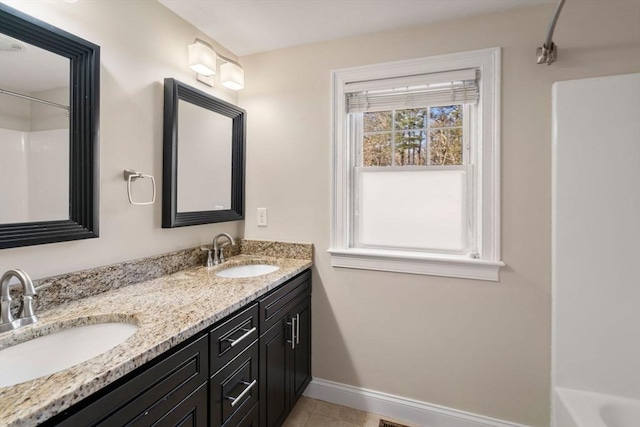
53, 212
203, 168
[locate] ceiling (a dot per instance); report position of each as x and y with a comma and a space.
22, 71
252, 26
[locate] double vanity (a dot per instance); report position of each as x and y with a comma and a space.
173, 339
203, 349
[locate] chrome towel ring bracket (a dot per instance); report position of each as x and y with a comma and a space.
131, 175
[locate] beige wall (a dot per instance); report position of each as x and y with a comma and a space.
477, 346
141, 43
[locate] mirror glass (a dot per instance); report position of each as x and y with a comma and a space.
203, 165
204, 159
34, 133
49, 110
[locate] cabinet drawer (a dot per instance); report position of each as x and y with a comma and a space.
273, 305
191, 412
145, 398
252, 419
230, 338
233, 391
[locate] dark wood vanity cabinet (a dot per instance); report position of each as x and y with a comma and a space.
285, 349
171, 392
248, 370
233, 386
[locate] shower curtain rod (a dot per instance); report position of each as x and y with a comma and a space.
548, 53
31, 98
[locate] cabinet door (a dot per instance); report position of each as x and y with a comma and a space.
300, 356
274, 399
285, 349
150, 394
191, 412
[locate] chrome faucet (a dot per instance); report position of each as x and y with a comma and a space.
26, 316
218, 252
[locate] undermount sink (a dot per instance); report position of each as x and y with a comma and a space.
48, 354
251, 270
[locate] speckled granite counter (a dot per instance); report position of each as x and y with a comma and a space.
168, 310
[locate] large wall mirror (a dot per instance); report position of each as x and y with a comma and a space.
203, 176
49, 89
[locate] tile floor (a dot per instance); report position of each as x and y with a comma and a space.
316, 413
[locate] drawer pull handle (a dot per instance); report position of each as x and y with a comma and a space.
298, 328
246, 334
235, 400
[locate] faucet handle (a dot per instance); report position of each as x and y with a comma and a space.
209, 262
221, 251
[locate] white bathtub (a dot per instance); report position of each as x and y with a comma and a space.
575, 408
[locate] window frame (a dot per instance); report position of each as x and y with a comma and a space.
483, 266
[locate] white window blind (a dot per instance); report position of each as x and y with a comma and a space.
455, 87
418, 208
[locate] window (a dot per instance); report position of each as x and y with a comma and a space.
416, 166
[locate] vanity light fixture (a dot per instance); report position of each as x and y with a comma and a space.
232, 76
202, 60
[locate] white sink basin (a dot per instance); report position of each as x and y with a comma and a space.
247, 270
48, 354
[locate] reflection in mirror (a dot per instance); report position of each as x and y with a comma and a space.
204, 159
34, 133
49, 98
203, 169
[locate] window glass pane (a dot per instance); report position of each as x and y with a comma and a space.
445, 147
411, 148
377, 121
415, 118
445, 116
376, 149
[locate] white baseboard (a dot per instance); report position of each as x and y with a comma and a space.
401, 408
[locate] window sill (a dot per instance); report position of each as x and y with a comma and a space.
416, 263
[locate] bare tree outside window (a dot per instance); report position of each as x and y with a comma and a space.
417, 136
445, 135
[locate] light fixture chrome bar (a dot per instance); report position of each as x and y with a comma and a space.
31, 98
548, 53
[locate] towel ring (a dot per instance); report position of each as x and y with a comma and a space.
131, 175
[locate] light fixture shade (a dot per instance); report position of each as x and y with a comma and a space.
232, 76
202, 59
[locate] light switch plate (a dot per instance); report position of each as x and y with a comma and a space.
262, 217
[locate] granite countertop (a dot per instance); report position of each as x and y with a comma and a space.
167, 310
